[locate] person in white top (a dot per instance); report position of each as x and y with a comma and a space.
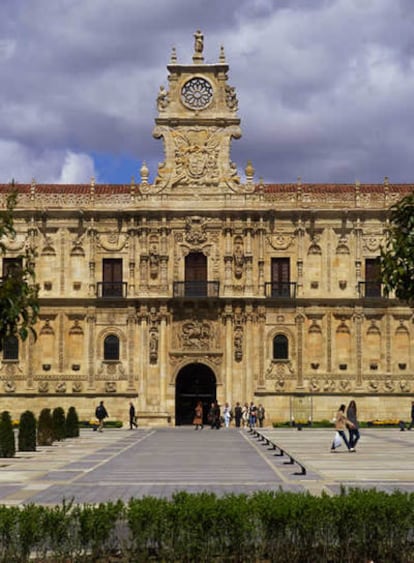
227, 415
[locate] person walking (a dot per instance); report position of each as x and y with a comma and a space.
260, 414
412, 416
252, 415
341, 423
227, 414
351, 413
101, 413
245, 415
198, 416
238, 413
132, 416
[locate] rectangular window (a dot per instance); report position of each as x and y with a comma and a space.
112, 277
10, 264
372, 277
280, 277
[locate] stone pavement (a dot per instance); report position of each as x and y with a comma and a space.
121, 464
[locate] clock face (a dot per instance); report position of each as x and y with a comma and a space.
196, 93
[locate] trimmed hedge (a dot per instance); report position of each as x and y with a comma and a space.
355, 526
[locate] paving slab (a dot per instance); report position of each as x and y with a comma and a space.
123, 464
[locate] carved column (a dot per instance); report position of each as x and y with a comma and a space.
329, 342
299, 325
132, 249
260, 323
92, 244
228, 258
163, 356
91, 324
261, 281
228, 371
131, 323
300, 231
142, 358
388, 342
61, 342
358, 242
358, 335
248, 356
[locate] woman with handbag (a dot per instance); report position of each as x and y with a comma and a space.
341, 423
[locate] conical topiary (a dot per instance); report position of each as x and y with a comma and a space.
45, 428
59, 424
27, 432
72, 423
7, 441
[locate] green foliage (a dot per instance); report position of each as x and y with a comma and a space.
59, 424
397, 256
27, 432
45, 428
354, 526
72, 423
18, 292
7, 441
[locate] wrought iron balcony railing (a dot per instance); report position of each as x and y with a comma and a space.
111, 289
285, 290
196, 289
372, 290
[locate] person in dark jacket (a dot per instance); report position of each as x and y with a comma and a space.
238, 414
101, 413
132, 416
412, 416
351, 414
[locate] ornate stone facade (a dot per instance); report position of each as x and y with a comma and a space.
204, 284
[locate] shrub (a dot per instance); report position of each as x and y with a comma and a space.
45, 428
7, 441
59, 424
27, 432
72, 423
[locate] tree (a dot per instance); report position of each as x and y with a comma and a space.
45, 428
7, 440
72, 423
59, 424
18, 291
27, 432
397, 256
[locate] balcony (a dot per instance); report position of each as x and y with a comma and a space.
196, 289
372, 290
281, 290
105, 290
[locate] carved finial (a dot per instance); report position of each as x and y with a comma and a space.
198, 47
222, 57
386, 181
33, 188
173, 58
249, 171
92, 183
132, 190
144, 173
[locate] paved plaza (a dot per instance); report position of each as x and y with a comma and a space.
121, 464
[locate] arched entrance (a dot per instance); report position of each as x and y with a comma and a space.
195, 382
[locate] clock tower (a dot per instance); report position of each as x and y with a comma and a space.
197, 119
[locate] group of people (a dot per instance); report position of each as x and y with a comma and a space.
101, 413
346, 419
246, 416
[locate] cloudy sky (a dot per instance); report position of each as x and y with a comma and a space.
325, 87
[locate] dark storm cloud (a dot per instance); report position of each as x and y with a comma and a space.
325, 87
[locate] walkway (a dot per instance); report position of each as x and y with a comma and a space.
120, 464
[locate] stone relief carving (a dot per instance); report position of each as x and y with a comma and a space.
153, 346
77, 387
196, 334
60, 387
9, 387
43, 387
154, 261
371, 243
238, 344
111, 370
113, 241
162, 99
238, 258
405, 386
329, 385
231, 98
195, 230
314, 385
110, 387
280, 241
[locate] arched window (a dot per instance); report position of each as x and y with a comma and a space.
111, 347
11, 348
280, 347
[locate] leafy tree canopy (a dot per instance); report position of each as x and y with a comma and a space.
397, 255
18, 291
